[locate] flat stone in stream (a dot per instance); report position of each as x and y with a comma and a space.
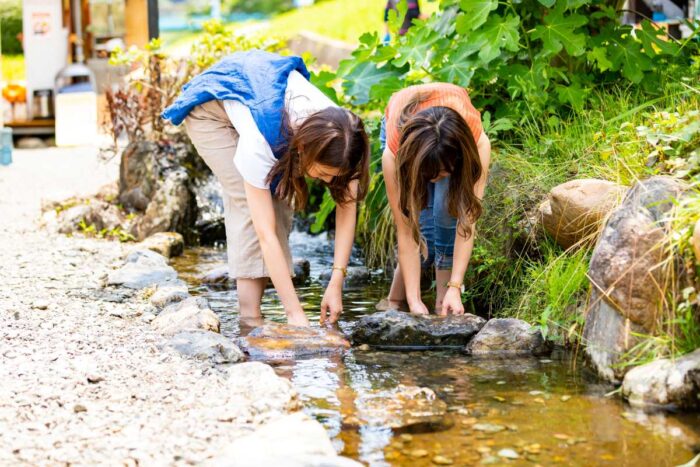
508, 337
397, 329
283, 342
403, 408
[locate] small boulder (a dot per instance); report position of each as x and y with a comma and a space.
169, 293
217, 276
190, 314
664, 383
283, 342
403, 408
168, 244
574, 210
206, 345
302, 271
143, 268
357, 275
508, 337
258, 382
397, 329
696, 241
31, 142
294, 440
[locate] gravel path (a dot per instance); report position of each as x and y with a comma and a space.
83, 379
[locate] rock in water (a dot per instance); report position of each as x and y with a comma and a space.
217, 276
397, 329
302, 271
665, 383
259, 382
206, 345
190, 314
403, 408
508, 337
168, 244
282, 342
625, 276
357, 275
574, 210
294, 440
143, 268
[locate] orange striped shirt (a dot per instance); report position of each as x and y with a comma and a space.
439, 95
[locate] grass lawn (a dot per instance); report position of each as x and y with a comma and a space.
13, 67
345, 20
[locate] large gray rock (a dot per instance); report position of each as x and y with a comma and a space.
402, 408
397, 329
574, 210
138, 174
190, 314
206, 345
217, 276
357, 275
143, 268
664, 383
294, 440
508, 337
172, 208
168, 244
625, 275
169, 293
283, 342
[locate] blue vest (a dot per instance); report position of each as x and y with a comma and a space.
255, 78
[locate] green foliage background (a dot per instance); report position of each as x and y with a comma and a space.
10, 26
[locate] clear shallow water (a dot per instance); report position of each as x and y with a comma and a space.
548, 411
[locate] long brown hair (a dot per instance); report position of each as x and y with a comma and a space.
334, 137
433, 140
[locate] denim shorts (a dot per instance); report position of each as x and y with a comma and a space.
437, 226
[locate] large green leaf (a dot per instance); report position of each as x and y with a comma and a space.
655, 40
627, 56
599, 55
360, 80
475, 13
497, 34
572, 94
415, 47
560, 31
547, 3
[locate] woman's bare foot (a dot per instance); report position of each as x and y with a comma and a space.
386, 304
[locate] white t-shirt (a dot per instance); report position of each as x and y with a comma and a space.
254, 158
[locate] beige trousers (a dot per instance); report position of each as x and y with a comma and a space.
216, 139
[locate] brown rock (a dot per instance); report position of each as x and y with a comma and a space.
282, 342
574, 210
627, 284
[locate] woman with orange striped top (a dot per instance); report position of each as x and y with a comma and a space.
435, 162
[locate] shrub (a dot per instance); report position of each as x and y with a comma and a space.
10, 26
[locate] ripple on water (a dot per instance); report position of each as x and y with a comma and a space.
498, 411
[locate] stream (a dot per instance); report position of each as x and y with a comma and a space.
525, 411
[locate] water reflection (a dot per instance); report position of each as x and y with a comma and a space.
544, 411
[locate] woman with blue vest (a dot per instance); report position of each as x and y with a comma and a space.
262, 127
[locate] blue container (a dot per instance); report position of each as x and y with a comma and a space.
5, 146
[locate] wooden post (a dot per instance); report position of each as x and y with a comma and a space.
138, 22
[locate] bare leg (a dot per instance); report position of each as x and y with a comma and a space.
397, 292
250, 292
442, 277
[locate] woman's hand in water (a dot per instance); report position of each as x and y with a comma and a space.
452, 303
417, 307
297, 318
332, 303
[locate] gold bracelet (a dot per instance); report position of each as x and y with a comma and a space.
342, 269
456, 285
